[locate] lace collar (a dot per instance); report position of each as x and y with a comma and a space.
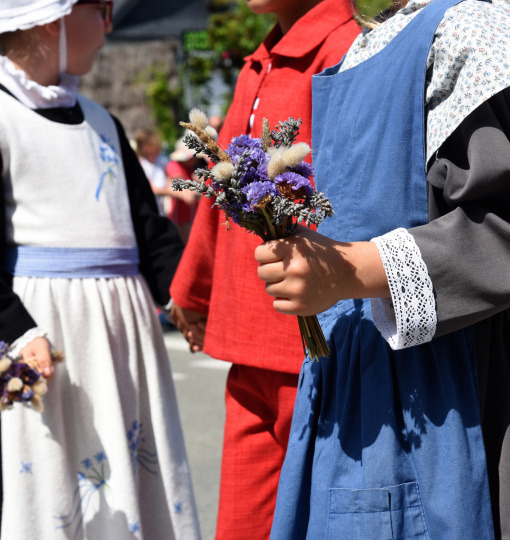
34, 95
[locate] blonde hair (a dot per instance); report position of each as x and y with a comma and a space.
21, 43
145, 137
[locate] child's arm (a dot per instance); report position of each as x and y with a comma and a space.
466, 245
191, 324
15, 321
465, 248
308, 273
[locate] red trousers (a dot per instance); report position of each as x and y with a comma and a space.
259, 406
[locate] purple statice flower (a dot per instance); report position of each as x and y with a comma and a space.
28, 377
293, 185
27, 395
239, 144
3, 348
254, 164
304, 169
256, 172
256, 191
24, 372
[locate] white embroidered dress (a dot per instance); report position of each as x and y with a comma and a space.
106, 458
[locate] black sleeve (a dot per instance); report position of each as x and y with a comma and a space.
14, 318
158, 239
466, 244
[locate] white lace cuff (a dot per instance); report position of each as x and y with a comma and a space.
25, 339
409, 318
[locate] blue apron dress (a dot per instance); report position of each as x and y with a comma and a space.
384, 444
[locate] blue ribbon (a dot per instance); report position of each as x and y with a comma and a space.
56, 262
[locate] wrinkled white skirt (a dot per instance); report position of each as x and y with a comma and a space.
106, 459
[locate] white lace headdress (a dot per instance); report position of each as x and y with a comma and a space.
25, 14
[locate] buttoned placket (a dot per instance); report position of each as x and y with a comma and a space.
257, 101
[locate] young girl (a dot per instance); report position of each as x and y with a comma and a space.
403, 432
87, 249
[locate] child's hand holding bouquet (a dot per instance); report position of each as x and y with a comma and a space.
264, 186
22, 381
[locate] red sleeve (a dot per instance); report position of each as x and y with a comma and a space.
192, 283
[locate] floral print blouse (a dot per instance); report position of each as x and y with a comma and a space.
468, 62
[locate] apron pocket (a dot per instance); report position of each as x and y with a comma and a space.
390, 513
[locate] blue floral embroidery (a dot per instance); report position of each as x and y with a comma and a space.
109, 157
26, 468
100, 457
134, 527
88, 484
139, 455
178, 507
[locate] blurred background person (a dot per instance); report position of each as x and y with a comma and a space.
148, 150
216, 121
183, 204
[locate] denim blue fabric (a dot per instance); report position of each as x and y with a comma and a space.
384, 444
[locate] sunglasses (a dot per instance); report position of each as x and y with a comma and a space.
107, 6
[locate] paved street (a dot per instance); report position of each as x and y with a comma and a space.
200, 386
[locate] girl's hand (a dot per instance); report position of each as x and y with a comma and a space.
192, 325
308, 273
38, 352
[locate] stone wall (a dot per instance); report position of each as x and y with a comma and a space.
117, 79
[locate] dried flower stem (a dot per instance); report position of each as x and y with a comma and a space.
312, 337
266, 139
208, 141
270, 225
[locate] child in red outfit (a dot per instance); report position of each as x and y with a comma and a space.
216, 286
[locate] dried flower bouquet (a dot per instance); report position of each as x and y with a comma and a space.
264, 186
21, 381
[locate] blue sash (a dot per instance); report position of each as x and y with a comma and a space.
56, 262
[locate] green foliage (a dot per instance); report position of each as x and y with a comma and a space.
370, 8
164, 102
240, 32
230, 37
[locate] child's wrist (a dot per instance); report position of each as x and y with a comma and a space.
367, 278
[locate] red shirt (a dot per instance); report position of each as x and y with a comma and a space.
180, 212
217, 274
